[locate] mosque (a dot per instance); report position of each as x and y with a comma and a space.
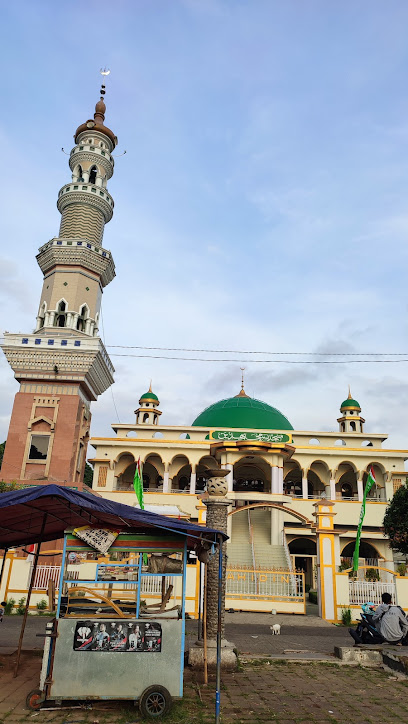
275, 476
286, 487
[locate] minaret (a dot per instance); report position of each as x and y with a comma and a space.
351, 420
148, 413
63, 366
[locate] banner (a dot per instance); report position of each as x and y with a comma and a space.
369, 484
138, 484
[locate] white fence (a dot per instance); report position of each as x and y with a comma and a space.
264, 584
366, 591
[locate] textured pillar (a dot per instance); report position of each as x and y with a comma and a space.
193, 478
166, 482
305, 489
327, 490
217, 511
332, 489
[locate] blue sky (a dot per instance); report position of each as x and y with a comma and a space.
262, 203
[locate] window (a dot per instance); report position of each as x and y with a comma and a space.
83, 316
61, 317
352, 426
39, 447
79, 173
92, 175
146, 417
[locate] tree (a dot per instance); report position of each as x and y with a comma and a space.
2, 447
396, 520
88, 475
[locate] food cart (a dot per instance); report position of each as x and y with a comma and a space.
120, 624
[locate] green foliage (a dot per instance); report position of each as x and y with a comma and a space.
344, 565
6, 487
2, 448
313, 596
346, 616
88, 475
396, 520
8, 608
42, 605
402, 569
372, 574
21, 606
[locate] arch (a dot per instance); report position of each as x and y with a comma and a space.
367, 550
132, 433
252, 474
79, 173
302, 545
341, 442
153, 471
178, 463
366, 443
314, 441
284, 508
41, 315
346, 480
93, 171
352, 426
61, 313
292, 478
123, 454
83, 316
380, 473
146, 417
158, 435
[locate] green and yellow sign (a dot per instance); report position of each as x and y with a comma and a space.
243, 435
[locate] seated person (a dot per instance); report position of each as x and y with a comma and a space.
391, 621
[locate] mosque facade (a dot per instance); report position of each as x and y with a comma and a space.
276, 475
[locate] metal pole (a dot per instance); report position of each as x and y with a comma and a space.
218, 670
33, 572
199, 599
3, 565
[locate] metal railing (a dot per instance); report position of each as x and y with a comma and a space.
244, 583
287, 551
370, 591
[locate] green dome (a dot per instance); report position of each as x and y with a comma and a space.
243, 412
149, 396
350, 403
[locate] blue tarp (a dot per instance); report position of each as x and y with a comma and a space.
24, 512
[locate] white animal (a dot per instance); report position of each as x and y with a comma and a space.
275, 629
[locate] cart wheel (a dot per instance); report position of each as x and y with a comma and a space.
155, 701
35, 699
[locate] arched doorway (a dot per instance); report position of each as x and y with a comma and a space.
304, 556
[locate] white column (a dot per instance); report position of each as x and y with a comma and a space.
275, 479
166, 482
327, 490
276, 527
305, 489
332, 489
230, 477
360, 490
280, 481
193, 478
88, 323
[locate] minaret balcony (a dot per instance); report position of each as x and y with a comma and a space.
86, 193
83, 153
77, 252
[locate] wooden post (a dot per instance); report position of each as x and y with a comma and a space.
33, 572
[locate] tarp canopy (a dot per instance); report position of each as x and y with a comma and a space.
44, 512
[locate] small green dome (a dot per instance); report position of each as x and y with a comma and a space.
243, 412
149, 396
350, 403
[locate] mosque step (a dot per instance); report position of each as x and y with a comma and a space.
261, 526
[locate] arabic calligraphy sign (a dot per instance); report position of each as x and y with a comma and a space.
242, 435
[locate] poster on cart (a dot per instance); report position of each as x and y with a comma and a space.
129, 636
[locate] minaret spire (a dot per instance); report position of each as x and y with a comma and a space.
242, 392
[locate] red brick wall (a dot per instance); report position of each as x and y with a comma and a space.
70, 427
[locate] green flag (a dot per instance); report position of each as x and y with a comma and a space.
138, 484
369, 484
